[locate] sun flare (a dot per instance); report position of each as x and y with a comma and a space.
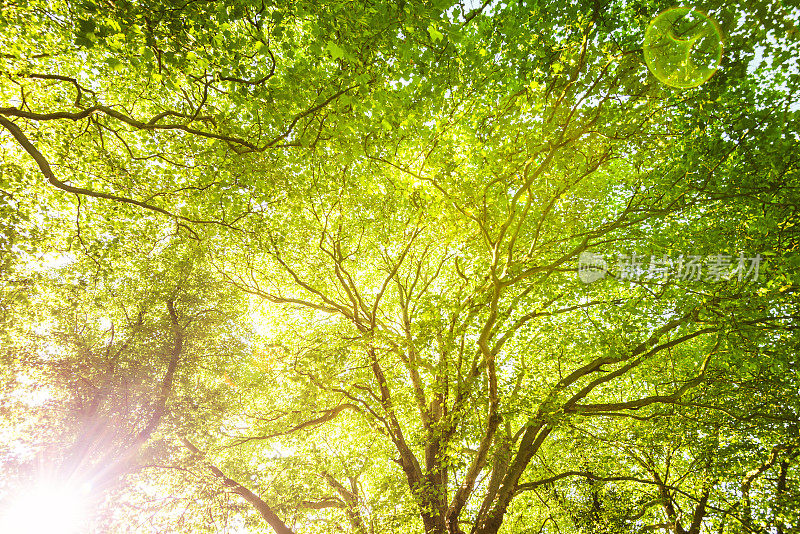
47, 508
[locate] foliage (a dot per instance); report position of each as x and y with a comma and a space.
311, 267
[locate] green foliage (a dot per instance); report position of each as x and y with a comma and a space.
311, 267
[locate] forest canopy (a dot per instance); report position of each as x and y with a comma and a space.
307, 266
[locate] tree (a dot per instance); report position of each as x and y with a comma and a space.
406, 191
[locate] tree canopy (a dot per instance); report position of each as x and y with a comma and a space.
399, 267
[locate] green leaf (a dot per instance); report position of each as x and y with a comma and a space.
435, 34
115, 64
334, 50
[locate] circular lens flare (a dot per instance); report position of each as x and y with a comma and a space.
683, 47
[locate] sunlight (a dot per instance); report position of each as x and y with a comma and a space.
46, 509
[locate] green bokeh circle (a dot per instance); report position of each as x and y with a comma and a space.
683, 47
